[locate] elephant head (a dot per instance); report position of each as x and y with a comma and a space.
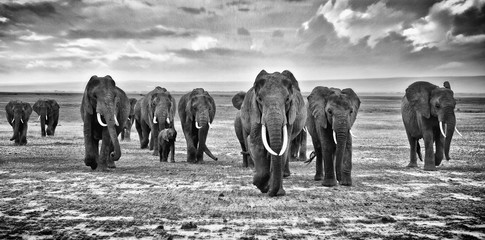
433, 102
334, 111
18, 114
48, 111
277, 114
129, 122
162, 108
105, 103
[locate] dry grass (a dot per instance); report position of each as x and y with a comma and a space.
47, 192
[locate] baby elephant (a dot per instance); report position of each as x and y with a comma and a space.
166, 143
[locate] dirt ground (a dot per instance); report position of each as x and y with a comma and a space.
46, 191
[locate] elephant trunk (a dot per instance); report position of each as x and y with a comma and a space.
111, 124
450, 129
16, 128
341, 135
202, 135
278, 142
43, 118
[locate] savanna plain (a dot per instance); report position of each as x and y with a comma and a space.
46, 191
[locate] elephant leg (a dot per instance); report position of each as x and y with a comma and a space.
439, 141
191, 149
23, 135
413, 162
346, 168
328, 149
262, 165
302, 154
139, 130
172, 151
123, 134
110, 162
245, 154
145, 134
163, 152
319, 162
91, 151
429, 164
286, 161
154, 139
104, 152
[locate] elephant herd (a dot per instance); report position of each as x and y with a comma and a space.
271, 124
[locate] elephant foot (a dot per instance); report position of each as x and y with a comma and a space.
261, 183
430, 168
437, 161
329, 182
91, 162
412, 165
280, 192
346, 181
286, 174
172, 161
318, 177
155, 153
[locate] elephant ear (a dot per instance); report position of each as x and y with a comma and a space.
418, 95
258, 84
36, 107
212, 112
238, 99
292, 78
27, 109
54, 105
188, 109
173, 106
317, 101
354, 103
86, 102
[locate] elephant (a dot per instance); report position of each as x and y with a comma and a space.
330, 116
104, 111
196, 111
298, 147
156, 112
48, 111
18, 114
274, 106
237, 101
125, 134
166, 141
425, 108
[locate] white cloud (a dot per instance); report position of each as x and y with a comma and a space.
433, 31
376, 22
41, 64
450, 66
3, 19
35, 37
202, 43
82, 42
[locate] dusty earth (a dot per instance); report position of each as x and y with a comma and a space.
46, 192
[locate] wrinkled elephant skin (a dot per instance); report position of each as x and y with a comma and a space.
18, 114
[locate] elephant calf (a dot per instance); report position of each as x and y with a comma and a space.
166, 144
18, 114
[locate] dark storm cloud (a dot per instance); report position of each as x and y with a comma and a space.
419, 7
126, 34
220, 52
193, 10
471, 22
243, 32
16, 10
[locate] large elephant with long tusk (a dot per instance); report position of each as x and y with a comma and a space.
18, 114
196, 111
156, 112
104, 110
331, 114
428, 112
272, 114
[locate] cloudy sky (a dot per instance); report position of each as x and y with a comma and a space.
62, 41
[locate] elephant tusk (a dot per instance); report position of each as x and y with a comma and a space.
352, 134
101, 121
116, 121
155, 120
456, 129
334, 138
129, 119
21, 120
265, 141
210, 125
285, 141
168, 120
13, 120
38, 118
441, 129
305, 129
197, 125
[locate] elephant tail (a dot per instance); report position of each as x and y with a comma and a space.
312, 156
418, 150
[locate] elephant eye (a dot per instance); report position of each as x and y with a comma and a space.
437, 105
351, 110
288, 100
259, 99
329, 111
